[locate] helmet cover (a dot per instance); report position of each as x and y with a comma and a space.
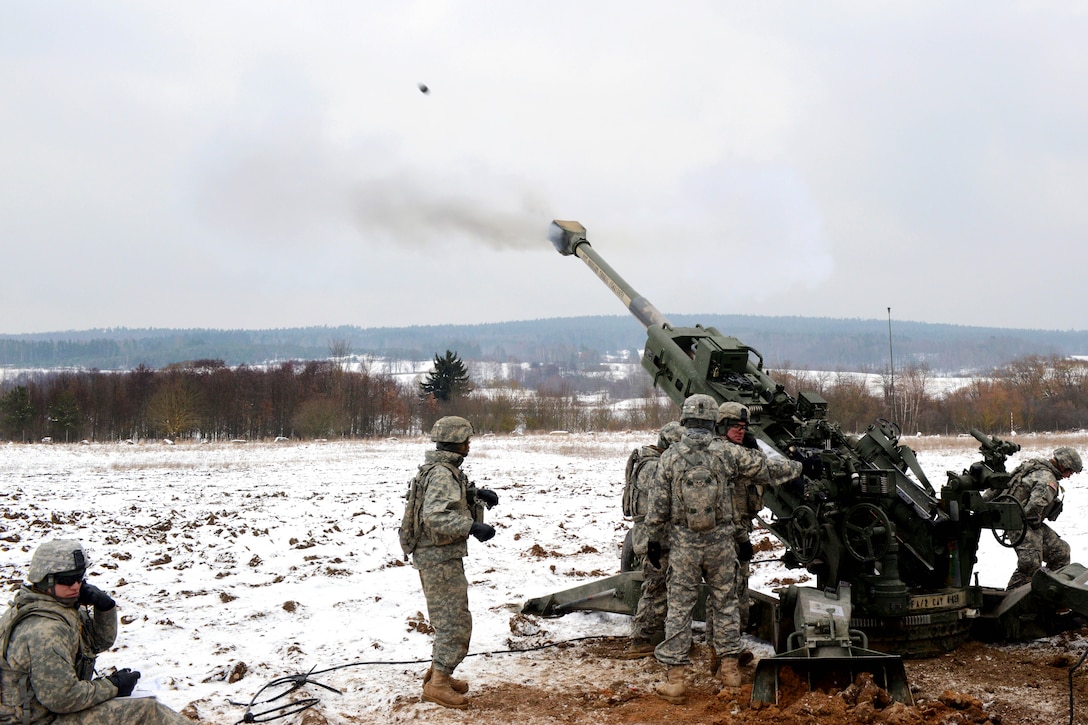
733, 411
699, 407
1069, 459
451, 429
59, 556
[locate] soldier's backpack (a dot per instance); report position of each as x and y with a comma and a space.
635, 497
699, 488
409, 530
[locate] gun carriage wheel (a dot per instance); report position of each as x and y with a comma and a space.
804, 534
866, 532
1013, 536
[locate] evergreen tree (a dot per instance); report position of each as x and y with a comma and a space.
17, 410
449, 379
64, 414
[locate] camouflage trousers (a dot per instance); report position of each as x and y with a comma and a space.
649, 621
743, 601
124, 711
1039, 545
446, 590
694, 558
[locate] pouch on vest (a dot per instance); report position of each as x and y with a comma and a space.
409, 523
1054, 510
699, 492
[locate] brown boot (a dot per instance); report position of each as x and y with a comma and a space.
438, 690
715, 662
455, 684
675, 687
729, 672
638, 648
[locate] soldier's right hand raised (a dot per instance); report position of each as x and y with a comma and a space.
482, 532
489, 497
90, 594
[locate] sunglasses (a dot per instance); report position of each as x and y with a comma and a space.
68, 579
742, 426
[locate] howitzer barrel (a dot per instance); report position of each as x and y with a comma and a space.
569, 237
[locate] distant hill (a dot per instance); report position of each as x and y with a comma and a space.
813, 343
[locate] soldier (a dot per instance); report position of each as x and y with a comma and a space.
692, 500
732, 424
1035, 484
48, 647
648, 624
451, 510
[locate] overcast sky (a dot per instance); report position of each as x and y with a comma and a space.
261, 165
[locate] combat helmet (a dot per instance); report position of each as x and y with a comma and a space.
57, 558
670, 433
699, 409
451, 429
733, 411
1068, 459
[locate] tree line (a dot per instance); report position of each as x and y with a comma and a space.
1030, 394
208, 400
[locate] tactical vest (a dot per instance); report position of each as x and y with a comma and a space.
15, 695
1021, 490
411, 531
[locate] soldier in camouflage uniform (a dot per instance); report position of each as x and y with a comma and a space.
452, 510
1035, 484
48, 644
692, 499
648, 624
732, 426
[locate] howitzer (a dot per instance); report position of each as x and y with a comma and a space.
867, 515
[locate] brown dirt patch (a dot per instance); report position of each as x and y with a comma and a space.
589, 684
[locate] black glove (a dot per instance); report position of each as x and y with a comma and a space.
812, 467
653, 554
750, 440
125, 681
482, 532
489, 497
90, 594
745, 551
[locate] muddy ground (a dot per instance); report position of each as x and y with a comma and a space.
589, 684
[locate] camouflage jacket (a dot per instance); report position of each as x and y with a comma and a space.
1035, 484
733, 465
748, 499
50, 656
447, 512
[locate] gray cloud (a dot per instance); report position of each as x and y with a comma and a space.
252, 167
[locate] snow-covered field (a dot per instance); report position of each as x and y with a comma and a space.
235, 564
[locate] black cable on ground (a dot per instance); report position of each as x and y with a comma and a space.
1079, 663
297, 681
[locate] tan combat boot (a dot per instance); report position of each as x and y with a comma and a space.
675, 688
455, 684
638, 648
729, 672
438, 690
